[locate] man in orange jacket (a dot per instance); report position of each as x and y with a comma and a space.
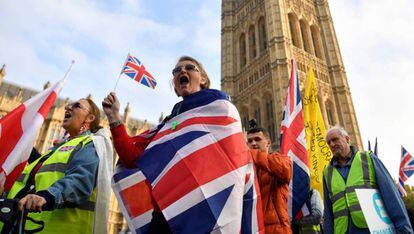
274, 172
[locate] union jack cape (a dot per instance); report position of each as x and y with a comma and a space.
406, 170
293, 144
199, 171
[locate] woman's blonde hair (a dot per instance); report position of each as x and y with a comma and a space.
200, 67
95, 124
203, 72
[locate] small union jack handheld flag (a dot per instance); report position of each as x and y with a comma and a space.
406, 170
136, 71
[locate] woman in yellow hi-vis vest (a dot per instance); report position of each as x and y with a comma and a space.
58, 188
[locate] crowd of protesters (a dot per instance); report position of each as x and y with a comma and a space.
60, 187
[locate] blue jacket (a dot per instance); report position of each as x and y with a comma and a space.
386, 187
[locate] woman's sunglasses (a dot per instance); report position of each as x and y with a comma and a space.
187, 67
77, 105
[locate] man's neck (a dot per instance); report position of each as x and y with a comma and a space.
343, 160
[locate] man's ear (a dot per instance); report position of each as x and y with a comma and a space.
269, 143
348, 139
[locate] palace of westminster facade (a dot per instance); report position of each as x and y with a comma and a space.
258, 40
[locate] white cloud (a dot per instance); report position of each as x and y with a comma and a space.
40, 38
376, 38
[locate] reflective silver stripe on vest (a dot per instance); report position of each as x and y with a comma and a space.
337, 196
56, 167
89, 206
21, 178
365, 170
354, 208
328, 183
350, 189
340, 213
344, 212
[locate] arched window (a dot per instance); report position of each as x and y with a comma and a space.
272, 132
304, 29
242, 49
269, 109
257, 114
262, 34
294, 30
252, 43
316, 41
271, 119
244, 118
330, 113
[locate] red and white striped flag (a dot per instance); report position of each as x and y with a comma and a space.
18, 131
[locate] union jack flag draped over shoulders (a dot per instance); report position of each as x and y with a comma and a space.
199, 171
293, 144
406, 170
136, 71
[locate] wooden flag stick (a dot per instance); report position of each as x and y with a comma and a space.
116, 84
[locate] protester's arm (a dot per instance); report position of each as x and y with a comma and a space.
392, 200
316, 210
279, 166
128, 149
328, 213
77, 184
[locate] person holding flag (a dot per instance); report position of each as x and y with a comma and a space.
59, 188
274, 171
351, 169
195, 173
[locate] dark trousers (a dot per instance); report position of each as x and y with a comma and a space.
158, 224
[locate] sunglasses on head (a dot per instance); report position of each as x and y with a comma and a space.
187, 67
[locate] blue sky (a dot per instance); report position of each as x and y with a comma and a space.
38, 39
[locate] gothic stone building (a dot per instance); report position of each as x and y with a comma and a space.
260, 37
12, 95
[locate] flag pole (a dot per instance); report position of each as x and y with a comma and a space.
116, 84
69, 69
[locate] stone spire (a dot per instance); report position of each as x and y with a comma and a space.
127, 111
161, 118
2, 73
19, 96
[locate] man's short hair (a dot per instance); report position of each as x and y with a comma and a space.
341, 130
254, 128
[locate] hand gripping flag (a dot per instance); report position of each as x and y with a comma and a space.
136, 71
406, 170
199, 171
293, 144
319, 153
18, 130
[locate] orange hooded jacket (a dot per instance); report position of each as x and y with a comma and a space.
274, 172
